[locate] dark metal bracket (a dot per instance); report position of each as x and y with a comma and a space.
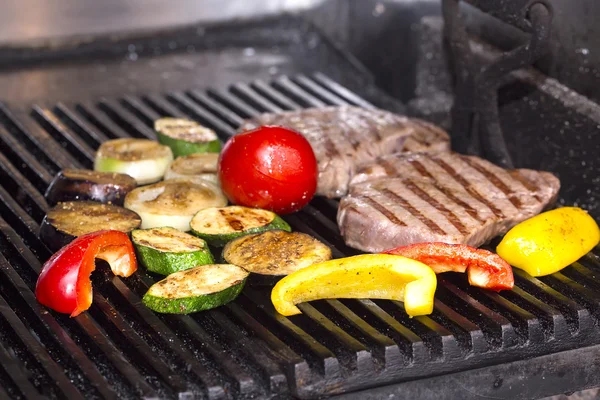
475, 121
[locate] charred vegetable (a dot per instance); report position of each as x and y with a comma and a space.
71, 219
220, 225
84, 184
375, 276
197, 289
200, 165
186, 137
168, 250
64, 283
145, 160
173, 202
275, 252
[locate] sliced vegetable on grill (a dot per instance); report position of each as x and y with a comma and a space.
550, 241
201, 165
196, 289
167, 250
64, 283
84, 184
220, 225
484, 268
186, 137
145, 160
66, 221
366, 276
275, 252
173, 202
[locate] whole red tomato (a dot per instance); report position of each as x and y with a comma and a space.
270, 167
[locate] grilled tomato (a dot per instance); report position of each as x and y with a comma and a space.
271, 167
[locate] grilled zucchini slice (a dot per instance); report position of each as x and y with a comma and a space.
167, 250
144, 160
275, 252
201, 165
220, 225
186, 137
66, 221
174, 202
196, 289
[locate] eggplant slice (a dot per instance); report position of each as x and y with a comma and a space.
68, 220
85, 184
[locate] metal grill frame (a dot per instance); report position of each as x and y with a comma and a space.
119, 348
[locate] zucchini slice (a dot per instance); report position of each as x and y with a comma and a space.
186, 137
220, 225
173, 202
275, 252
67, 220
201, 165
145, 160
167, 250
85, 184
196, 289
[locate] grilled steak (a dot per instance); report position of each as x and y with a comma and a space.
441, 197
346, 137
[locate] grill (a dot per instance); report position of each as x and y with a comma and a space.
245, 349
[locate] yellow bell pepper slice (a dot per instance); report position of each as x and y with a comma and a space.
367, 276
550, 241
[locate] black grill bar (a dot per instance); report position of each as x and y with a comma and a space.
119, 348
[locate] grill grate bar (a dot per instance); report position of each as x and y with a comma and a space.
40, 141
253, 97
286, 85
141, 110
126, 120
266, 90
205, 117
92, 136
320, 92
341, 91
73, 143
13, 368
163, 107
228, 99
212, 105
100, 121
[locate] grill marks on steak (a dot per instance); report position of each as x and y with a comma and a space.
345, 137
445, 197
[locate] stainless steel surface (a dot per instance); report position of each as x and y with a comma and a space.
22, 20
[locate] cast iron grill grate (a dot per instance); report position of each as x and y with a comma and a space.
242, 350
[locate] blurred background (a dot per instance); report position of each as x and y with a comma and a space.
378, 33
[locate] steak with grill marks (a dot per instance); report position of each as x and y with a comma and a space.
442, 197
345, 137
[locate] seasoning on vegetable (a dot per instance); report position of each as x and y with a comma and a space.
484, 268
64, 284
549, 242
376, 276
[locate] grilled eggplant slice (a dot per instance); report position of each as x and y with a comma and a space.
173, 202
85, 184
220, 225
168, 250
275, 252
66, 221
200, 165
196, 289
186, 137
145, 160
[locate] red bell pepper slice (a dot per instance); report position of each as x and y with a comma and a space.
64, 284
485, 269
